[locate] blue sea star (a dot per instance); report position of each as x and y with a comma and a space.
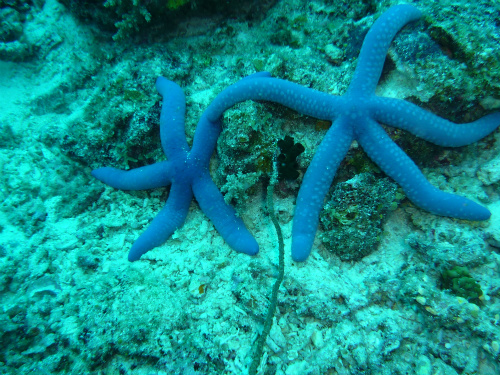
354, 116
187, 172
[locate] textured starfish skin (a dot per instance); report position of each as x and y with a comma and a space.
187, 171
355, 116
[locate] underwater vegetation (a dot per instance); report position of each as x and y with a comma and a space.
459, 282
287, 159
128, 18
196, 305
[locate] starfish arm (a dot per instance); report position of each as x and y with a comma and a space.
263, 74
207, 132
316, 183
205, 139
223, 216
173, 110
375, 46
172, 216
396, 164
148, 177
302, 99
407, 116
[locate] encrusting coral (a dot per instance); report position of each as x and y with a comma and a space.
355, 116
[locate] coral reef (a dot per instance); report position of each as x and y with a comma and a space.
21, 40
72, 304
354, 215
128, 18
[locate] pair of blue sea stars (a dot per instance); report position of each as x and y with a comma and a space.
355, 116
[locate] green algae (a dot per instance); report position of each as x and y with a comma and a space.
459, 282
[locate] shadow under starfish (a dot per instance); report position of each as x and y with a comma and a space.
355, 116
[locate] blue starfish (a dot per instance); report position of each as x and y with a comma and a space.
187, 172
354, 116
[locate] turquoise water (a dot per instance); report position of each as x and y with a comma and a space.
77, 92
